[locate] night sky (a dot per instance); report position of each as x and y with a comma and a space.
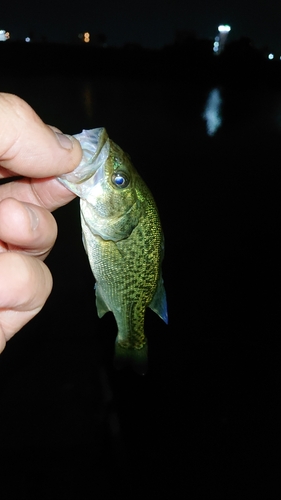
151, 23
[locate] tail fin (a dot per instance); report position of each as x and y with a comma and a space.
135, 358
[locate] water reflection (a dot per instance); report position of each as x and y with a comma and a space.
88, 99
212, 112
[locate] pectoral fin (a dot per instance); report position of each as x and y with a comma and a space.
159, 301
102, 307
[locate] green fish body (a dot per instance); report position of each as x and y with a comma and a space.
123, 239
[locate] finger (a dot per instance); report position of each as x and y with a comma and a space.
25, 285
55, 129
4, 172
31, 148
26, 228
48, 193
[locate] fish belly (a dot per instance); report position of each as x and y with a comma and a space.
126, 274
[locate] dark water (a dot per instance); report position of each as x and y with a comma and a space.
201, 424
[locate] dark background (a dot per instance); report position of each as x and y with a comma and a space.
202, 422
150, 23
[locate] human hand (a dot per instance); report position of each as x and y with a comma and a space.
31, 149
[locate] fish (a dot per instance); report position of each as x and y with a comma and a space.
123, 238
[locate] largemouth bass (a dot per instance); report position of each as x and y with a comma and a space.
123, 239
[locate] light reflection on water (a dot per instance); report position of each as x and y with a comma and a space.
159, 123
212, 111
67, 103
87, 90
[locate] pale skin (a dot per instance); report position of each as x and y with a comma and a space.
28, 231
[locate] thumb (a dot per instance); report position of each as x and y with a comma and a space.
31, 148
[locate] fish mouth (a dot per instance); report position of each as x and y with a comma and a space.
95, 146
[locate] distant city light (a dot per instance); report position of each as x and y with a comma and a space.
86, 37
4, 35
270, 56
224, 28
221, 38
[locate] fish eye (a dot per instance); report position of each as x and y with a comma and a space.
120, 180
